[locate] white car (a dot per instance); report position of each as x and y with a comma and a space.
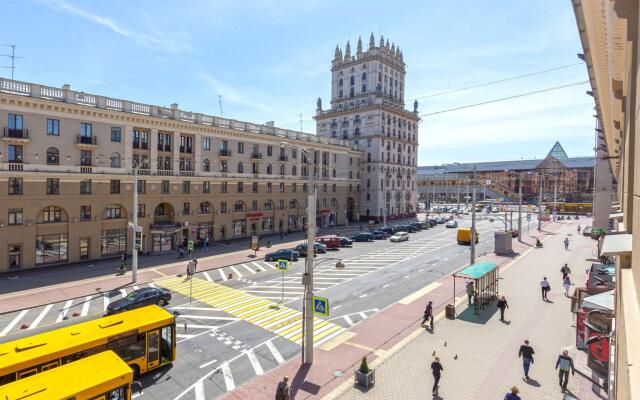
399, 237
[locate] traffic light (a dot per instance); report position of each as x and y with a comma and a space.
138, 242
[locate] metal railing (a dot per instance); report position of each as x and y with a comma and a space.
16, 133
93, 140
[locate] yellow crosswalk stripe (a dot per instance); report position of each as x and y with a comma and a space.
282, 321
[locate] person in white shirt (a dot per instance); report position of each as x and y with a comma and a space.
545, 287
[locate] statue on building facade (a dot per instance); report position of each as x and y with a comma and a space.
415, 106
319, 104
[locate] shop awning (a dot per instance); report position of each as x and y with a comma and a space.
477, 270
604, 301
614, 245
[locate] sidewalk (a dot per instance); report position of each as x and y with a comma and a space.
487, 362
32, 288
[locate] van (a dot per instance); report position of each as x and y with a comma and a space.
331, 241
464, 236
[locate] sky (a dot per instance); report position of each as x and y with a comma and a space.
270, 60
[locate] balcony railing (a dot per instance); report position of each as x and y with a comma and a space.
165, 172
225, 152
140, 145
16, 133
93, 140
186, 149
256, 156
283, 158
164, 147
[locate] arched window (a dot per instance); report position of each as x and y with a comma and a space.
113, 211
364, 76
115, 160
51, 214
206, 165
268, 205
53, 156
368, 157
205, 207
356, 132
240, 168
340, 82
352, 80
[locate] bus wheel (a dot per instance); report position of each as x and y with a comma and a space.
136, 372
161, 302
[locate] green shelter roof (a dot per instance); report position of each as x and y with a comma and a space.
477, 270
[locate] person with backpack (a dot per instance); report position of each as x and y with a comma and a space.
513, 394
566, 364
283, 389
565, 271
502, 305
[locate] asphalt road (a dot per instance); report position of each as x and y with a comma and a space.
224, 337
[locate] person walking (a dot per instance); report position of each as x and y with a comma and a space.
565, 271
281, 235
545, 287
579, 228
513, 394
283, 389
567, 285
190, 269
566, 243
566, 364
470, 292
502, 305
206, 243
428, 313
526, 353
180, 252
436, 370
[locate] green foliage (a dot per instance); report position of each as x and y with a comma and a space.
364, 366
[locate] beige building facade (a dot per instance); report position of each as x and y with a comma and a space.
610, 35
66, 177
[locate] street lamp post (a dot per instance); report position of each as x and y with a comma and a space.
473, 221
520, 207
540, 205
135, 227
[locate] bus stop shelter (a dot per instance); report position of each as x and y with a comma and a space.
484, 276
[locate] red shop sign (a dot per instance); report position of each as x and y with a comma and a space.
254, 215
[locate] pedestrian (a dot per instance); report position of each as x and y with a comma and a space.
565, 271
513, 394
180, 252
436, 369
195, 265
566, 243
281, 235
206, 243
579, 228
282, 390
428, 313
190, 269
545, 287
526, 353
136, 386
567, 285
470, 292
566, 364
502, 305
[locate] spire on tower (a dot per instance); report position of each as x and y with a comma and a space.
387, 45
372, 42
398, 51
359, 45
381, 41
337, 53
347, 51
393, 49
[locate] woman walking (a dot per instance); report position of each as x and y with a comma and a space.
567, 284
436, 369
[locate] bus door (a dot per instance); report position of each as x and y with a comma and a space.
153, 349
167, 345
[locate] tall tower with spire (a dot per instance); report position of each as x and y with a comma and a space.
368, 109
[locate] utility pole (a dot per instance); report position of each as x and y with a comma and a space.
520, 207
300, 115
458, 184
555, 195
308, 265
134, 252
384, 201
473, 222
540, 205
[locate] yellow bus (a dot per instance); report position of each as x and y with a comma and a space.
103, 376
144, 338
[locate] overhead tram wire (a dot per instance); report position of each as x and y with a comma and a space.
506, 98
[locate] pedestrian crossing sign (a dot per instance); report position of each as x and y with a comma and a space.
190, 245
283, 265
321, 306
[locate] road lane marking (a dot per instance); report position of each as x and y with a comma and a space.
236, 271
152, 285
39, 318
13, 323
208, 363
419, 293
362, 315
64, 311
260, 267
382, 287
349, 320
105, 298
85, 306
274, 352
224, 278
254, 362
248, 269
199, 390
136, 287
207, 277
228, 378
123, 292
363, 295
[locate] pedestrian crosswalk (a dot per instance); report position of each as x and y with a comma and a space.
280, 320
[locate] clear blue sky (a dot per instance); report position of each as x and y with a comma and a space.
270, 60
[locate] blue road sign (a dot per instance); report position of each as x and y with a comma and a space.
283, 265
321, 306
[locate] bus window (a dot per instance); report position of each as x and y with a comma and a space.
49, 366
117, 394
130, 347
153, 353
29, 372
166, 345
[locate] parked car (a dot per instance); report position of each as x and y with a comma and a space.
318, 248
451, 224
388, 230
440, 220
425, 224
416, 225
407, 228
399, 237
379, 234
345, 241
282, 254
464, 236
140, 298
331, 241
586, 231
362, 237
432, 222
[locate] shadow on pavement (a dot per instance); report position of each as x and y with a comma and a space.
483, 316
532, 382
299, 382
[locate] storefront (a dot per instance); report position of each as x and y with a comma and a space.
322, 219
267, 224
164, 238
293, 223
239, 227
51, 248
113, 242
203, 231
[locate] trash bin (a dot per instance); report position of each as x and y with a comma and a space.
450, 311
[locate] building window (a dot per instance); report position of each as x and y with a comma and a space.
14, 153
223, 187
240, 147
267, 206
186, 208
269, 169
333, 188
294, 188
142, 187
86, 130
51, 248
206, 165
239, 206
254, 187
53, 156
270, 151
294, 153
53, 186
115, 160
15, 256
206, 143
294, 170
15, 121
15, 186
53, 127
141, 210
304, 188
255, 168
223, 166
85, 213
282, 169
281, 188
114, 186
113, 211
116, 134
164, 187
140, 139
240, 188
15, 216
164, 141
239, 227
223, 207
205, 207
206, 187
50, 214
281, 204
324, 187
240, 168
267, 224
86, 158
186, 187
254, 205
85, 186
269, 187
113, 241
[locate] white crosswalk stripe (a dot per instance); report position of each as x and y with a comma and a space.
221, 271
199, 390
39, 318
64, 311
13, 323
248, 269
105, 298
228, 377
254, 362
207, 277
275, 353
85, 306
260, 267
238, 274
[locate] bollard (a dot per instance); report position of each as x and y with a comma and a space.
75, 314
230, 275
24, 326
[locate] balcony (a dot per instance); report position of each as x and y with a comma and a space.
16, 135
164, 172
186, 149
187, 173
256, 156
140, 145
225, 153
86, 142
283, 158
164, 147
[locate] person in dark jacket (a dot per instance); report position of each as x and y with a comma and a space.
566, 364
513, 394
502, 305
428, 313
282, 390
436, 369
526, 352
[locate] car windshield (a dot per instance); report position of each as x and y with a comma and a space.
133, 295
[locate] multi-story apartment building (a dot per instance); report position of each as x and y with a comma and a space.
367, 108
66, 176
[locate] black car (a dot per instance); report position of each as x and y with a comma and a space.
379, 234
432, 222
416, 225
282, 254
318, 248
362, 237
140, 298
388, 230
407, 228
440, 220
345, 241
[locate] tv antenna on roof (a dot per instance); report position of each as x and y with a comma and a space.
12, 56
